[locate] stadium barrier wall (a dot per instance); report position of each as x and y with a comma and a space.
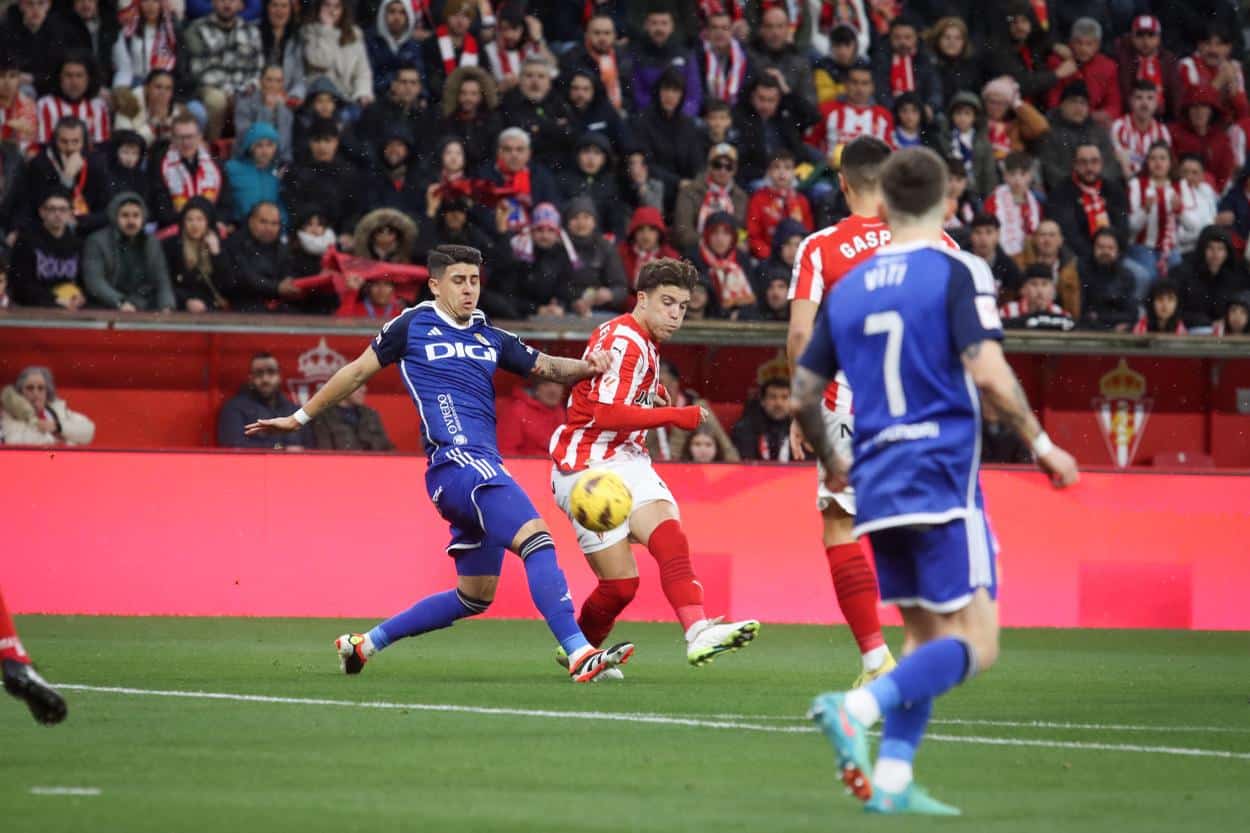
270, 534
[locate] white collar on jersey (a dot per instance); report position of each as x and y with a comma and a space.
903, 248
478, 317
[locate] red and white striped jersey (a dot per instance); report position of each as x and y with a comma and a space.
633, 379
94, 113
844, 122
1136, 143
823, 258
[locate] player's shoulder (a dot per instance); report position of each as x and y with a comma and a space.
624, 327
967, 263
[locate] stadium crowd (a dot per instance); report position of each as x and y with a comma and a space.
205, 155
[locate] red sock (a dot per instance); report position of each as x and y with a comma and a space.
856, 589
10, 645
602, 606
671, 550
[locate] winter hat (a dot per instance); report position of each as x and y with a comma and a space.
581, 204
546, 215
1077, 89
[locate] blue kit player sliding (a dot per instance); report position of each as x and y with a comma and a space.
447, 353
916, 331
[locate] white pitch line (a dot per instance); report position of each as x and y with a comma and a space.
92, 791
651, 719
1012, 724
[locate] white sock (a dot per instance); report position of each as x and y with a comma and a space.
891, 775
370, 650
863, 706
576, 656
696, 629
875, 658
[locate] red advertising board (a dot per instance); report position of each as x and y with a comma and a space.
270, 534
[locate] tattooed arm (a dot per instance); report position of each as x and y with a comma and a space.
806, 392
994, 378
570, 371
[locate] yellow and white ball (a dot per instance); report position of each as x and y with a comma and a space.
600, 500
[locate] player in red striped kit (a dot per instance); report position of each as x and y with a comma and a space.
823, 258
606, 429
23, 681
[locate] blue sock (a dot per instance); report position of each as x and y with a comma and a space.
928, 672
550, 591
903, 729
429, 614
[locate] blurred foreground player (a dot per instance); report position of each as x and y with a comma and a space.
916, 331
823, 258
23, 681
607, 425
447, 353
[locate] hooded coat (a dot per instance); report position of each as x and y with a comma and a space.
1203, 294
121, 178
118, 269
1213, 146
644, 215
388, 53
599, 265
671, 144
250, 184
1107, 295
250, 109
38, 53
651, 61
601, 187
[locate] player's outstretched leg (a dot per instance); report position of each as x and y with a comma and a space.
23, 681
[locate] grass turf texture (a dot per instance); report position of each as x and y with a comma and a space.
165, 763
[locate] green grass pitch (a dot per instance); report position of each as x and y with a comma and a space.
1073, 731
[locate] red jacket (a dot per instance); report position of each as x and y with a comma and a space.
526, 425
1127, 61
766, 210
1214, 147
1101, 75
644, 215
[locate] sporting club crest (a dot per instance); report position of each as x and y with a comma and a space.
1122, 411
316, 366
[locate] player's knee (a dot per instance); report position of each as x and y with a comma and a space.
472, 605
535, 542
987, 652
620, 590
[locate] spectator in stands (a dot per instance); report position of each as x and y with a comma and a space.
668, 137
517, 182
702, 447
151, 114
452, 46
1011, 123
196, 262
334, 47
611, 65
1236, 320
253, 177
327, 181
901, 66
829, 72
258, 267
280, 45
770, 120
1036, 308
1014, 205
12, 175
639, 188
645, 240
19, 117
776, 200
46, 257
984, 242
1159, 203
350, 426
1201, 130
773, 305
469, 112
148, 40
1136, 131
5, 301
403, 108
398, 182
669, 443
958, 69
387, 236
195, 9
1047, 246
999, 443
225, 56
313, 237
592, 176
1070, 127
267, 104
962, 203
659, 53
1023, 49
518, 37
391, 44
1140, 56
1207, 278
97, 31
717, 192
911, 126
970, 143
591, 112
260, 398
1108, 290
76, 94
187, 170
724, 267
542, 113
33, 414
122, 265
763, 433
1212, 67
724, 66
66, 163
38, 41
127, 165
856, 115
1162, 310
598, 284
699, 307
774, 52
718, 126
1100, 74
1085, 202
529, 417
544, 265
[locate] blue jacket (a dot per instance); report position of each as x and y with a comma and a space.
203, 8
250, 184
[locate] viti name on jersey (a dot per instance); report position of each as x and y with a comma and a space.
868, 241
887, 274
459, 350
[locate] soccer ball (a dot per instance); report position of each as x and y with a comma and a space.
600, 501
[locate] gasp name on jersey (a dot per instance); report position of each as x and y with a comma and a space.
459, 350
868, 241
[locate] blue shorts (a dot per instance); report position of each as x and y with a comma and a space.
484, 508
936, 567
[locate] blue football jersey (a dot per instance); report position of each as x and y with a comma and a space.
449, 370
896, 326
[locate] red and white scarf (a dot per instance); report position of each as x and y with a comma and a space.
1159, 231
840, 13
1042, 13
447, 49
716, 199
164, 41
1093, 204
729, 280
733, 8
1149, 69
721, 84
902, 75
1016, 222
641, 258
1000, 138
183, 185
421, 17
882, 13
507, 62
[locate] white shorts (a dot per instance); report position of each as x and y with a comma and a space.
644, 484
840, 430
